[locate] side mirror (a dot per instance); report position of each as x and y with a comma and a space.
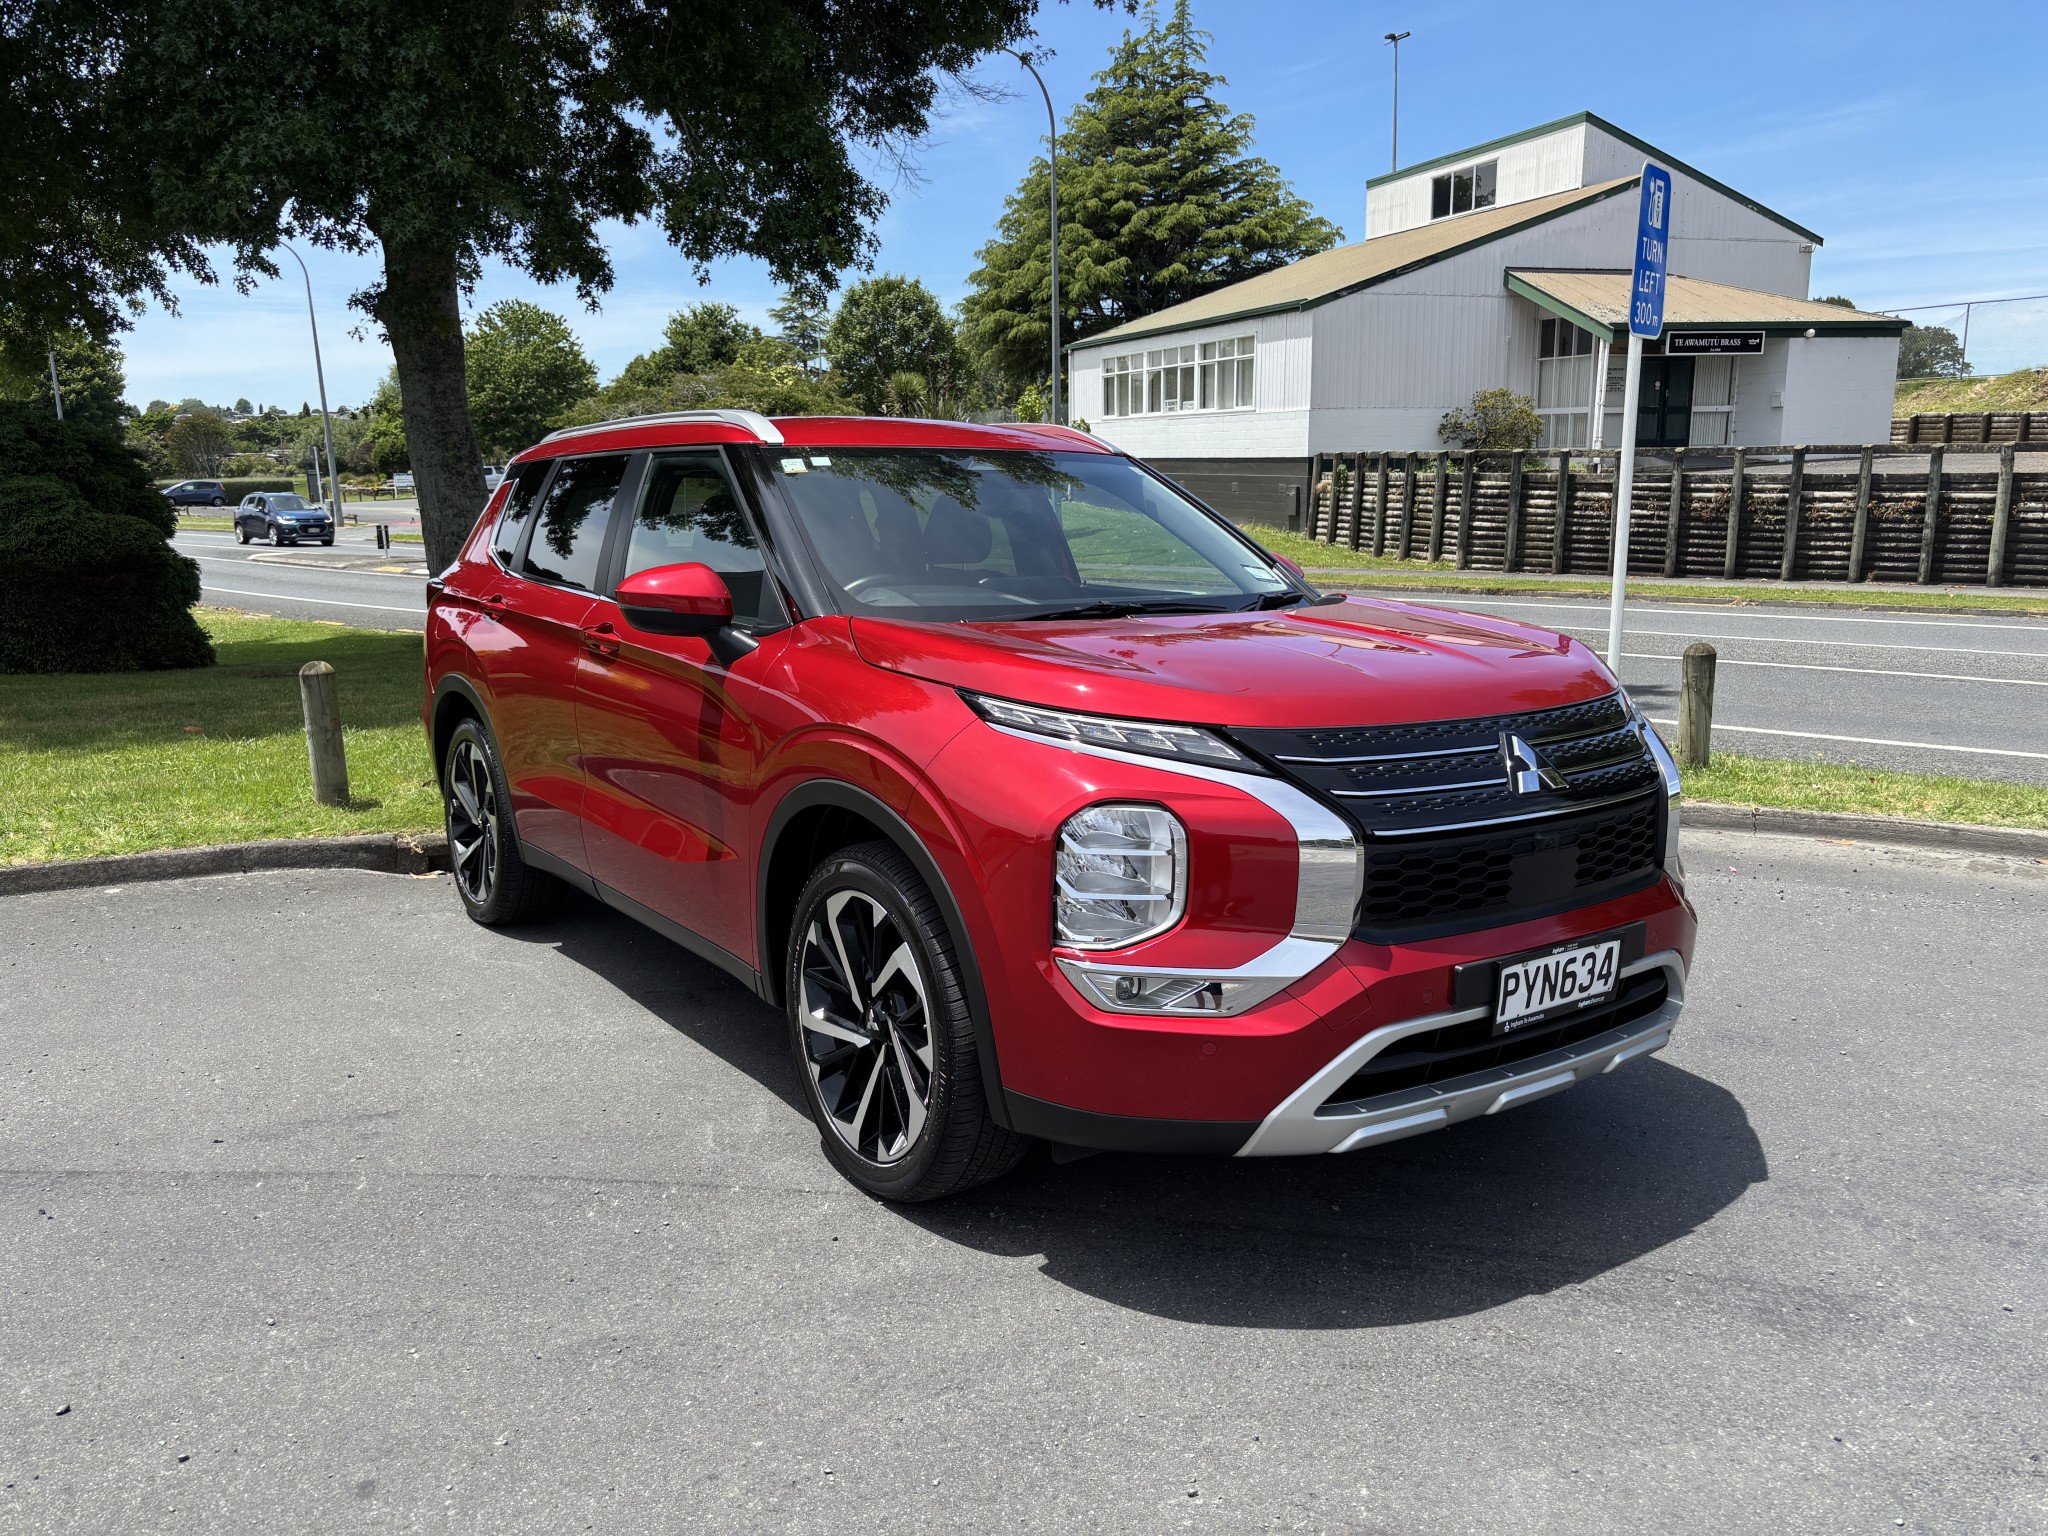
676, 600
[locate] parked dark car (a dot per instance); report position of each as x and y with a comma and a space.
283, 517
197, 493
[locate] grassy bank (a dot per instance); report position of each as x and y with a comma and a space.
2024, 390
1770, 781
1336, 565
119, 763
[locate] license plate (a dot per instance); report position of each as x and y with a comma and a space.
1562, 982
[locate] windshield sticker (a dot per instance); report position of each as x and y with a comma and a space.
819, 461
794, 466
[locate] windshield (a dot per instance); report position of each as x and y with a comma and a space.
956, 534
288, 504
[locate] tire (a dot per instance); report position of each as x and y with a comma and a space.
276, 537
327, 543
218, 501
241, 534
895, 1081
498, 888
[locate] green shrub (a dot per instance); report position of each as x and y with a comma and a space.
88, 579
237, 486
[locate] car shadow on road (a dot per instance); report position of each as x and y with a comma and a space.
1444, 1225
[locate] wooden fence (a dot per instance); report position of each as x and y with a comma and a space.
1813, 514
1972, 427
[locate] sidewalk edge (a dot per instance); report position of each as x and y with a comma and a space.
1954, 836
401, 853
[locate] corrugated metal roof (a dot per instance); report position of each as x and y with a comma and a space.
1328, 274
1602, 297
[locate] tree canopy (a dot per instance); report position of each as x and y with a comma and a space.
89, 373
524, 367
1931, 352
888, 326
1161, 200
442, 134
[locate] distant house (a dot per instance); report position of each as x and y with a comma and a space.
1503, 264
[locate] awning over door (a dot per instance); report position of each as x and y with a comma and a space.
1597, 301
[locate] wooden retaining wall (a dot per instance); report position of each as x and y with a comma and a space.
1800, 515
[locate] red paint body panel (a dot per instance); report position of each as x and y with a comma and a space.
657, 767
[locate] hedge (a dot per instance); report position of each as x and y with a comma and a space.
242, 485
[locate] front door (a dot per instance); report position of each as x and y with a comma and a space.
673, 737
1664, 408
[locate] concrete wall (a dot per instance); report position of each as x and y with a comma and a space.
1532, 168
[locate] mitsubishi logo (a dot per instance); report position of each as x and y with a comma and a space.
1527, 772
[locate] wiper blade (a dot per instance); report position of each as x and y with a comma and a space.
1125, 609
1270, 600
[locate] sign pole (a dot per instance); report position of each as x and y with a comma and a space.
1645, 322
1624, 495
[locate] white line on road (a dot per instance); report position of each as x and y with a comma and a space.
1846, 645
1814, 666
324, 602
1868, 741
2037, 627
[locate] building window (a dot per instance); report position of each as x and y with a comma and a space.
1462, 190
1213, 376
1564, 384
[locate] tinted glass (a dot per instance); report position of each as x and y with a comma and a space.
518, 506
569, 538
692, 514
932, 533
287, 503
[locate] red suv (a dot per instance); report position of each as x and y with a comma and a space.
1046, 803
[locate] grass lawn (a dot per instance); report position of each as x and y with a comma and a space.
1835, 787
118, 763
1441, 576
2025, 390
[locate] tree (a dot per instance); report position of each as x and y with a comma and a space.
891, 325
1837, 300
1931, 352
440, 136
801, 320
524, 367
1161, 201
244, 408
1497, 420
89, 373
700, 339
383, 446
198, 442
765, 377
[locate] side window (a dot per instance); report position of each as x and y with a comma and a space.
518, 506
569, 538
690, 513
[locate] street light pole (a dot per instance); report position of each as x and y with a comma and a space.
1052, 160
320, 376
1394, 155
57, 394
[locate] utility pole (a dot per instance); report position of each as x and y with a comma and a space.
1394, 154
56, 393
333, 486
1052, 161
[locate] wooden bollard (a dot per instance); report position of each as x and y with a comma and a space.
1696, 706
323, 733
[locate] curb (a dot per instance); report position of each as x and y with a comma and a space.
1734, 598
1952, 836
390, 853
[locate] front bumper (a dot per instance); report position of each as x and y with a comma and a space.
1307, 1121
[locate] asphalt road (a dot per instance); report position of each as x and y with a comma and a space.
324, 1209
1944, 693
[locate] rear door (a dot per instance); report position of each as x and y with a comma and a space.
540, 610
673, 736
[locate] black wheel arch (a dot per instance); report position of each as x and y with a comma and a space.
455, 697
789, 853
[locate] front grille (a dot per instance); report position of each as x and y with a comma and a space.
1456, 835
1438, 1055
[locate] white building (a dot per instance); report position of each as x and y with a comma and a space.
1502, 265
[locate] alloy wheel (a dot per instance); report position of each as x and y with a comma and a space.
472, 797
867, 1027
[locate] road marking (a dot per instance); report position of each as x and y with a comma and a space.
324, 602
1848, 645
1813, 666
1868, 741
1802, 618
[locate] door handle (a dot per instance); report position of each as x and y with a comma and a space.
601, 640
493, 599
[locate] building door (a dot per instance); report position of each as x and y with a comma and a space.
1664, 409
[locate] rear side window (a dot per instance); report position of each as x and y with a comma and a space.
518, 507
569, 538
691, 513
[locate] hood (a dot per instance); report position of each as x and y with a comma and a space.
1359, 662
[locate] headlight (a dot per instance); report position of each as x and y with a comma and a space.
1667, 765
1119, 875
1151, 738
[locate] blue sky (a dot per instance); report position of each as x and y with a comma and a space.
1915, 152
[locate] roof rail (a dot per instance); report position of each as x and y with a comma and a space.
754, 422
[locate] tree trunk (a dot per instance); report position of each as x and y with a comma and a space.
420, 311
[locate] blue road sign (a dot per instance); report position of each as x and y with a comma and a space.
1653, 238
